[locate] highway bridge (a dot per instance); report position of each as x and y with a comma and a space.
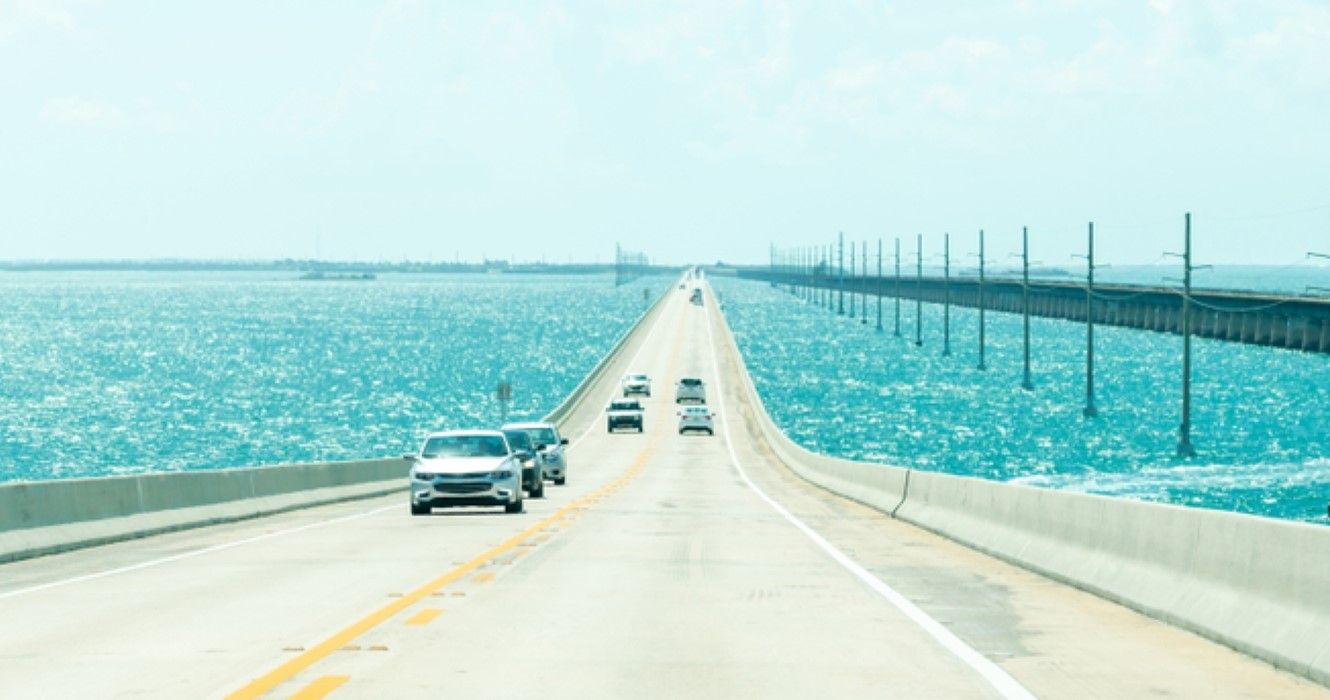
1294, 322
669, 566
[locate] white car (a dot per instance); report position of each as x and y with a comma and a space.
636, 384
697, 418
549, 447
465, 468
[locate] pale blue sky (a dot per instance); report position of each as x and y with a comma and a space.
692, 131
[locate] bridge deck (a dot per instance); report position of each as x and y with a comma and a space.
658, 571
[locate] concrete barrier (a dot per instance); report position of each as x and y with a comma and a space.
46, 517
1258, 585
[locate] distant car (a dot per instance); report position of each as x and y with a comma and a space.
533, 472
624, 413
696, 298
690, 389
465, 468
696, 418
636, 384
549, 447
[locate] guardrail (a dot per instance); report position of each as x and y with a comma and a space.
1258, 585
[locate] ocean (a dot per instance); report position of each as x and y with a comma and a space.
105, 373
1260, 422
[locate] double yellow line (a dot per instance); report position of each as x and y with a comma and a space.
285, 672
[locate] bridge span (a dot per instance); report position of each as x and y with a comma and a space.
670, 566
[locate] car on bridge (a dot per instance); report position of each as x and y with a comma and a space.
624, 413
696, 297
549, 448
690, 389
465, 468
533, 472
636, 383
697, 418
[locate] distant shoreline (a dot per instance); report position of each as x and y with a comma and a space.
324, 267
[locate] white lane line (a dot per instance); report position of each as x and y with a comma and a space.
189, 555
1001, 681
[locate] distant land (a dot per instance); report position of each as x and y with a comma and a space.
326, 267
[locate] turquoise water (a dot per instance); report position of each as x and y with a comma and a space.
113, 373
1259, 415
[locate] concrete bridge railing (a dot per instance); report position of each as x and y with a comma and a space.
1258, 585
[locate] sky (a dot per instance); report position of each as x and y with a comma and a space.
688, 131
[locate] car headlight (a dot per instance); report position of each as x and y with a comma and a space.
502, 474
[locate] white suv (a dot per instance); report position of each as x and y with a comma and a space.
636, 384
690, 389
697, 418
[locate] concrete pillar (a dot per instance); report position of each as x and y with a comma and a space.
1278, 330
1233, 327
1306, 329
1324, 345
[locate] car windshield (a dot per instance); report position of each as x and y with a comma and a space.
465, 446
543, 436
689, 381
625, 406
637, 377
518, 439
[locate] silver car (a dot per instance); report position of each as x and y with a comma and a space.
690, 389
465, 468
549, 447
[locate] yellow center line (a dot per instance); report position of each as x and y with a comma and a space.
424, 617
288, 670
320, 687
484, 577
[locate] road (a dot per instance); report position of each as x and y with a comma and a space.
669, 566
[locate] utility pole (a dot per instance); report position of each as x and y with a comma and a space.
840, 267
879, 285
1185, 448
946, 295
853, 270
1090, 411
919, 293
1025, 298
898, 287
981, 300
863, 305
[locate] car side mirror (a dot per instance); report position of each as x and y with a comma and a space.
563, 441
410, 457
541, 448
